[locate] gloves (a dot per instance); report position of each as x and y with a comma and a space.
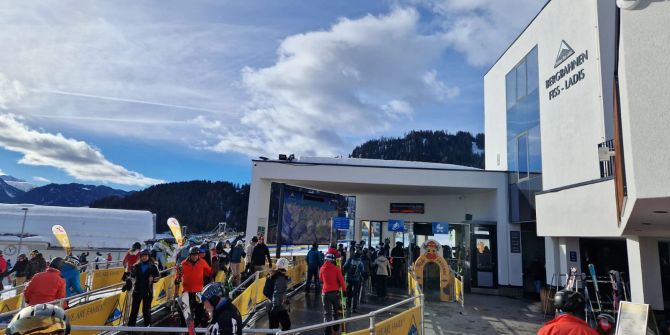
177, 282
127, 286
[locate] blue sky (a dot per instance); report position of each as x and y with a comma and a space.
130, 94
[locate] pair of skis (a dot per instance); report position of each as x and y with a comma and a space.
181, 301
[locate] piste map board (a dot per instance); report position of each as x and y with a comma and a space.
303, 216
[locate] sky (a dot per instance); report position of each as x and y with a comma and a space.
129, 94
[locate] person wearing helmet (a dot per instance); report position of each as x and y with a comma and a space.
194, 270
606, 324
224, 317
46, 286
145, 274
332, 282
70, 272
355, 271
183, 253
131, 257
569, 306
43, 319
275, 290
236, 255
220, 260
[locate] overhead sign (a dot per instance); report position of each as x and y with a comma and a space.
408, 208
396, 225
440, 228
340, 223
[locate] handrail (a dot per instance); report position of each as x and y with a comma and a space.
13, 288
156, 329
349, 319
255, 276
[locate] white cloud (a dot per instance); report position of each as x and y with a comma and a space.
11, 91
354, 78
77, 158
482, 29
41, 179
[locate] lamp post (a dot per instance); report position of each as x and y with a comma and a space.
23, 227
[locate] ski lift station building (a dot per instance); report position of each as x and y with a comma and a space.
89, 229
576, 171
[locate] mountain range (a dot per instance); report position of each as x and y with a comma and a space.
17, 191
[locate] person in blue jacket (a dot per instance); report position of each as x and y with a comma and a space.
70, 272
314, 262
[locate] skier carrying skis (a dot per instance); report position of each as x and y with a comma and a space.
44, 319
332, 282
194, 270
145, 274
224, 317
569, 305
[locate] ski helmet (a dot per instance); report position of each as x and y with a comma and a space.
194, 251
567, 301
330, 257
56, 263
282, 264
137, 246
39, 319
219, 247
145, 251
606, 323
72, 260
212, 293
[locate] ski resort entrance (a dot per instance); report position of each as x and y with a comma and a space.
464, 209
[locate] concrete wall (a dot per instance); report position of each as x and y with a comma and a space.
645, 271
584, 211
644, 69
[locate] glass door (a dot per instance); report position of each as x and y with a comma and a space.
484, 269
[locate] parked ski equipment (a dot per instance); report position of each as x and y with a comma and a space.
589, 306
571, 284
592, 270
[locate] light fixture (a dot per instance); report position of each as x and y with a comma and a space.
263, 158
646, 223
661, 212
628, 4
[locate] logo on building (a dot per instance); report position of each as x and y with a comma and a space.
564, 52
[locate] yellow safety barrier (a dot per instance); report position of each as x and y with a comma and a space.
83, 277
94, 313
220, 276
11, 304
163, 290
105, 277
459, 291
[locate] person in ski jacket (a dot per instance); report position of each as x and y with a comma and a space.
260, 253
367, 268
354, 269
36, 264
159, 255
3, 270
224, 317
220, 260
569, 304
313, 264
249, 250
83, 261
398, 254
183, 253
332, 283
19, 271
109, 259
278, 314
145, 273
382, 274
70, 273
236, 255
332, 249
131, 257
192, 275
46, 286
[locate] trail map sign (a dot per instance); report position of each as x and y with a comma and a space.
634, 319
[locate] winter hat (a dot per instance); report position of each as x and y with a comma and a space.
330, 257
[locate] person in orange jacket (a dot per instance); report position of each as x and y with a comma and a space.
46, 286
193, 271
569, 305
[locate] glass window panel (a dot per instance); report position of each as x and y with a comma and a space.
365, 231
510, 88
521, 80
511, 155
375, 233
532, 71
522, 156
534, 150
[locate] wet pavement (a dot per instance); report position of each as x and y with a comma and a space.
483, 314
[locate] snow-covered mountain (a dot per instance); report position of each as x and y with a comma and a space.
17, 183
8, 192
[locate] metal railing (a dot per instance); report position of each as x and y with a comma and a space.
136, 329
606, 157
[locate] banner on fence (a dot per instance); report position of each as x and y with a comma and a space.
94, 313
105, 277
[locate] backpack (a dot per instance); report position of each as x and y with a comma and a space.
269, 287
354, 273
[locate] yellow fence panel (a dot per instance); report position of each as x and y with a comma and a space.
407, 322
220, 276
163, 290
94, 313
106, 277
11, 304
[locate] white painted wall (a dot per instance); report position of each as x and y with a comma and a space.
584, 211
645, 271
644, 69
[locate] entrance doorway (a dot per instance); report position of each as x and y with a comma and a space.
431, 281
484, 270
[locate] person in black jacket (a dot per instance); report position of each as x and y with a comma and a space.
225, 318
36, 264
261, 252
19, 271
145, 273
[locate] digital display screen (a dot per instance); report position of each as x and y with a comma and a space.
415, 208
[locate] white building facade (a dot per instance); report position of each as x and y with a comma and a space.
576, 111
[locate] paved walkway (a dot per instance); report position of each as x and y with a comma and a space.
484, 314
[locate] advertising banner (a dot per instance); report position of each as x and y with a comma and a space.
106, 277
94, 313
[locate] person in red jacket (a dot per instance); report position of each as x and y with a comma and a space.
332, 282
46, 286
130, 259
569, 305
193, 271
